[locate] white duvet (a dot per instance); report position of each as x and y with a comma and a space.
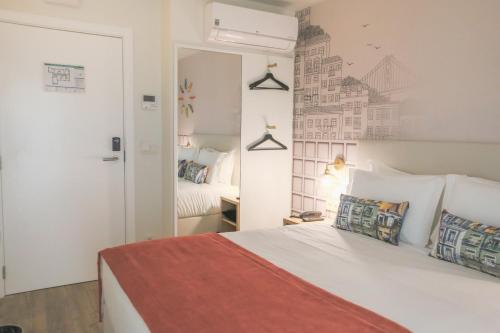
401, 283
201, 199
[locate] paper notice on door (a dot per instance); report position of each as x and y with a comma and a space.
64, 78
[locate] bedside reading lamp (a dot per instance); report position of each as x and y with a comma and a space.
333, 182
328, 178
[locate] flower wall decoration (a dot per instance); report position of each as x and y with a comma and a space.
186, 98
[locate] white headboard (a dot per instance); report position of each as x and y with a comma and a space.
221, 143
421, 157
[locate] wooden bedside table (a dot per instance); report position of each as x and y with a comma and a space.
297, 220
292, 220
231, 203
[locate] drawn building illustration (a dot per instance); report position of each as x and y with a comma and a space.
390, 79
332, 111
368, 108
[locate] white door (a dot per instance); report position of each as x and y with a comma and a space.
62, 202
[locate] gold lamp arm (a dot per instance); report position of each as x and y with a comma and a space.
338, 164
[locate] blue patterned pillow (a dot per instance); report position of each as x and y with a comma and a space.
182, 165
378, 219
196, 173
468, 243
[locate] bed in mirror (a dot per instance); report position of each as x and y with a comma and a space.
208, 132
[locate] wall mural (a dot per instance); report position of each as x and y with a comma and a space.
390, 70
329, 106
332, 111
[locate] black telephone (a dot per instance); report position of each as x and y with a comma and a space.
310, 216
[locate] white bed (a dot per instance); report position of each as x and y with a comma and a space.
199, 207
201, 199
401, 283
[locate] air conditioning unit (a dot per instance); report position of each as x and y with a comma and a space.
237, 26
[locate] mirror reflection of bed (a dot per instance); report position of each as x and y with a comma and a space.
208, 130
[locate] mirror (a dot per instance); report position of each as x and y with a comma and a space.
208, 130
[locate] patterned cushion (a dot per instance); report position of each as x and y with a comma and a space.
182, 165
468, 243
378, 219
196, 173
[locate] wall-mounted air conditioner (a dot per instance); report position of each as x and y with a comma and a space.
237, 26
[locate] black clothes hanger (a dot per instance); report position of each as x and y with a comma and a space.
266, 137
269, 76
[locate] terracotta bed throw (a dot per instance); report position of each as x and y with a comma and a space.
206, 283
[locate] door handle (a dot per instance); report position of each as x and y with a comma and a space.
110, 159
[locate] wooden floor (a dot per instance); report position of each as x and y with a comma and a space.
67, 309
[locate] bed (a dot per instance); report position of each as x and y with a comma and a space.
199, 206
201, 199
400, 283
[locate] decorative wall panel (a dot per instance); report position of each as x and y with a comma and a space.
390, 70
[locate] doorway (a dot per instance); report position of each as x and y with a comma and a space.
62, 148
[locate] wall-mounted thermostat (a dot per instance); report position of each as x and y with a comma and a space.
149, 102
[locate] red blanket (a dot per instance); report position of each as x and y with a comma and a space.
207, 283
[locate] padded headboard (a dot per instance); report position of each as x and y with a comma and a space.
421, 157
221, 143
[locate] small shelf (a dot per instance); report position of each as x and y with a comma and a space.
233, 201
231, 204
229, 222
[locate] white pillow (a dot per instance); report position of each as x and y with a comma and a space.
212, 159
351, 172
226, 168
384, 169
422, 192
187, 153
377, 167
474, 199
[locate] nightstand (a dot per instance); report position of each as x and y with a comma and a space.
231, 204
296, 220
292, 220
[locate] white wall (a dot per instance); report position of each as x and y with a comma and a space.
450, 47
269, 195
156, 25
216, 79
144, 18
266, 185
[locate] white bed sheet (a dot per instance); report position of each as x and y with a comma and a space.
201, 199
401, 283
119, 316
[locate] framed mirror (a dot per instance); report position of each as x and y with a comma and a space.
208, 141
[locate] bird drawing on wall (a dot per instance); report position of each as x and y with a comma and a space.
369, 44
377, 47
365, 25
350, 63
